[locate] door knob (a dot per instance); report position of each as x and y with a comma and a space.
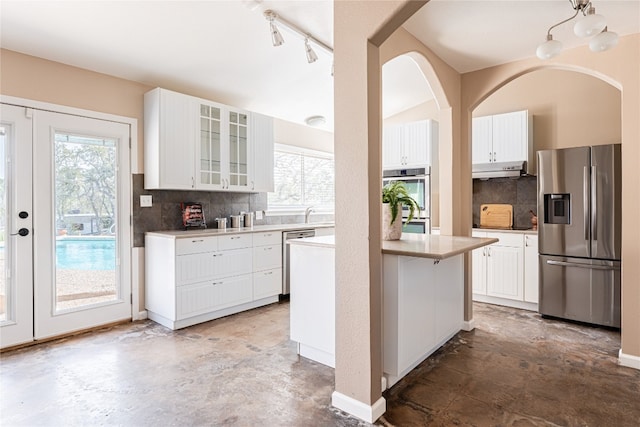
23, 232
23, 214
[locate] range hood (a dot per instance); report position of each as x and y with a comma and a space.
499, 170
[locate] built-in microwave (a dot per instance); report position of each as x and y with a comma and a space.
418, 184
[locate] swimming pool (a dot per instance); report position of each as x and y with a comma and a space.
86, 253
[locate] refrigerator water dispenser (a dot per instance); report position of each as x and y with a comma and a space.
557, 208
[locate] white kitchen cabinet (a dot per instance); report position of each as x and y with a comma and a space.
169, 132
263, 139
503, 138
224, 148
267, 264
191, 280
325, 231
505, 275
192, 143
531, 268
409, 145
500, 271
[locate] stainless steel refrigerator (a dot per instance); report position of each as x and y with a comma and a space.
579, 231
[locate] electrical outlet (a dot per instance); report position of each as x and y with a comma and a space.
258, 214
146, 201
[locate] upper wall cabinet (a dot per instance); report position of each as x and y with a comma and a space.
409, 145
503, 138
192, 143
169, 135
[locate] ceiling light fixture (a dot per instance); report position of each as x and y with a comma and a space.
591, 25
273, 17
315, 121
311, 55
276, 37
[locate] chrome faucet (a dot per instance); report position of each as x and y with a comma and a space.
307, 213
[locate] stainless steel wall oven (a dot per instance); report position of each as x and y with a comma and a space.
418, 184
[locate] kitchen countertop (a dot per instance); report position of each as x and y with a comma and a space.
230, 231
417, 245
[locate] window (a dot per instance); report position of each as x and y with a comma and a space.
302, 178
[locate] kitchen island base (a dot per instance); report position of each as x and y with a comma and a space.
423, 308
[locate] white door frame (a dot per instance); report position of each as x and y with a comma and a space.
136, 279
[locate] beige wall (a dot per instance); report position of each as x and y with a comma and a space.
302, 136
37, 79
570, 109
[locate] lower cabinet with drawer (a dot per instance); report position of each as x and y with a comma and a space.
193, 280
501, 272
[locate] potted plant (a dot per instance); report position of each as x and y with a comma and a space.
394, 196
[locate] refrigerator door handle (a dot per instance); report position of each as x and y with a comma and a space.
585, 198
589, 266
594, 203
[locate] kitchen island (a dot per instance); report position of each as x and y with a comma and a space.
423, 297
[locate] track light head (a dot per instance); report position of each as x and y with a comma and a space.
311, 55
276, 36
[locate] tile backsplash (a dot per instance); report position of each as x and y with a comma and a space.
520, 192
166, 214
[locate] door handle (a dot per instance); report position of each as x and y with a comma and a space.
22, 232
589, 266
23, 215
585, 203
594, 203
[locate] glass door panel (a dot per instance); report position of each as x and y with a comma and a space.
210, 149
85, 218
238, 131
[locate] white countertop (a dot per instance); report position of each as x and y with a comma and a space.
418, 245
229, 231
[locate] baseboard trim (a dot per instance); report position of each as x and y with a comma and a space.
368, 413
469, 325
142, 315
628, 360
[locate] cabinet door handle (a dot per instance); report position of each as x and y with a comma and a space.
494, 156
217, 283
196, 241
268, 273
488, 251
490, 158
269, 248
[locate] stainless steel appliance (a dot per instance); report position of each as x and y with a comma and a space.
498, 169
579, 230
418, 184
287, 235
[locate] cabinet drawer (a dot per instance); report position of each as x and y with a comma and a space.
194, 268
194, 245
267, 283
508, 239
205, 297
267, 238
235, 241
267, 257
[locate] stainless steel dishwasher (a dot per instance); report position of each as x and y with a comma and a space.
288, 235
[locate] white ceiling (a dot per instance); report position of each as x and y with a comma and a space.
223, 48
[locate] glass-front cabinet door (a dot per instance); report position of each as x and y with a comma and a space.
239, 148
211, 173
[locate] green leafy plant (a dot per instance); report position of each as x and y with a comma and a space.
395, 193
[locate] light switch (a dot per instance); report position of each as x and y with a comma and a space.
258, 214
146, 201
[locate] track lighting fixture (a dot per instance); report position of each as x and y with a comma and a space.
311, 55
276, 37
278, 40
591, 25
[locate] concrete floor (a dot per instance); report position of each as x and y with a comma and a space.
514, 369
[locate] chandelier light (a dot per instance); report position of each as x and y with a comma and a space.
591, 25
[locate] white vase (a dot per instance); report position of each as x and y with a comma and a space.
391, 231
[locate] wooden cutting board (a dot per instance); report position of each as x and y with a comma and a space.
496, 216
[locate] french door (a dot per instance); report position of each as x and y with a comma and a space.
67, 261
